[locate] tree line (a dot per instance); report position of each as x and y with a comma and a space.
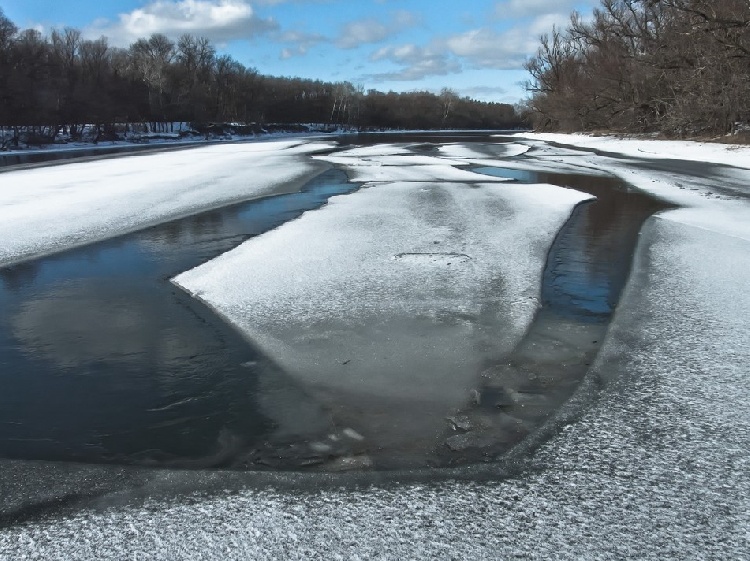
679, 67
65, 81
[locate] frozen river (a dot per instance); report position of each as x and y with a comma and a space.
432, 314
373, 374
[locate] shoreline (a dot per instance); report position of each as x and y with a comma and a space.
77, 152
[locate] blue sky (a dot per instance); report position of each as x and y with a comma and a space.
476, 47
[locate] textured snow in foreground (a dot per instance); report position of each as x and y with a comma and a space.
48, 209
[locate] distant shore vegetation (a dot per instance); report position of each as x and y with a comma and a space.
64, 81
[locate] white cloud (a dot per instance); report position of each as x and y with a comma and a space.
527, 8
505, 50
370, 30
417, 63
544, 23
479, 48
219, 20
298, 42
486, 48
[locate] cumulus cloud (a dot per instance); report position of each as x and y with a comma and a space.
219, 20
508, 49
528, 8
371, 30
416, 62
482, 47
298, 43
486, 48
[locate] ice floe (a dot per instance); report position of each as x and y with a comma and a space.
394, 294
503, 150
388, 168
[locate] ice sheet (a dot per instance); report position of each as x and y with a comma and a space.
388, 160
374, 150
716, 198
462, 151
539, 156
397, 292
389, 173
382, 167
47, 209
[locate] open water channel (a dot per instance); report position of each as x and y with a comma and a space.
102, 359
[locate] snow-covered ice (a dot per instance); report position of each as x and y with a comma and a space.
374, 167
462, 151
394, 295
52, 208
708, 152
715, 199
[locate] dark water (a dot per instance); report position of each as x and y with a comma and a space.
586, 270
103, 359
590, 258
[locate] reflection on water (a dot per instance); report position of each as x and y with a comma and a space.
589, 261
587, 267
101, 358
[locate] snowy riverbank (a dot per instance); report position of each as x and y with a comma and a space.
48, 209
737, 155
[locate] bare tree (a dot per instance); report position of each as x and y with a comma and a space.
151, 58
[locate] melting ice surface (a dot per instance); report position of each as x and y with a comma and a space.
370, 326
590, 258
387, 304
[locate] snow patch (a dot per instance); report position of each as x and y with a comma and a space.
712, 152
462, 151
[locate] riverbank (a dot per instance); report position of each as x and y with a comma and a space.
71, 152
737, 155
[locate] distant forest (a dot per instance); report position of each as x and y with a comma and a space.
679, 67
63, 81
